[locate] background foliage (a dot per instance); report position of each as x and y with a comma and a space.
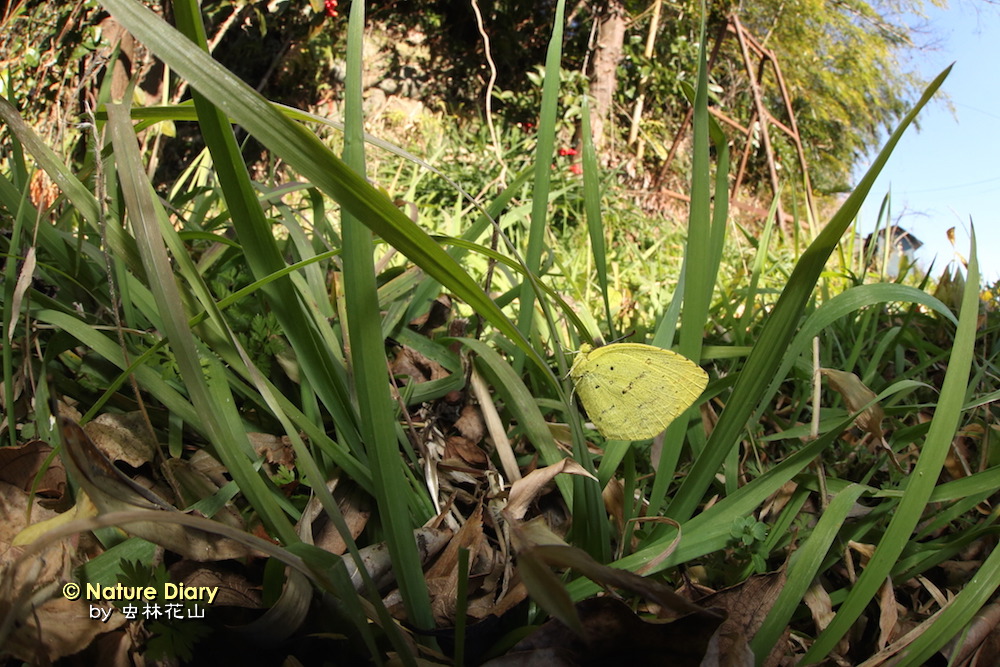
239, 288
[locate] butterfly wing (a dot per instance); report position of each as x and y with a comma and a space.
633, 391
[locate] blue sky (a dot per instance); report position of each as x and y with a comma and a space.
949, 171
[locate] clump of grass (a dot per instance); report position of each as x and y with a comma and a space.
278, 327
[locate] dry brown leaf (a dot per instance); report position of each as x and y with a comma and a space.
614, 502
958, 572
457, 447
58, 628
276, 450
534, 540
112, 491
655, 561
316, 528
856, 395
485, 604
123, 437
820, 606
865, 550
470, 424
24, 278
950, 287
190, 486
234, 589
19, 466
436, 316
778, 500
614, 635
747, 604
284, 617
524, 491
417, 367
470, 536
981, 640
51, 565
961, 455
888, 613
882, 658
209, 466
120, 648
442, 593
694, 588
514, 596
442, 576
940, 598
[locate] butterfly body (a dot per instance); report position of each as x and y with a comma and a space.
633, 391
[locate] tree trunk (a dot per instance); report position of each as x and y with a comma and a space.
604, 79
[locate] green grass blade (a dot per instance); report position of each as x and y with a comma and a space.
522, 404
957, 615
803, 568
72, 187
692, 298
341, 584
919, 485
699, 263
543, 174
709, 531
843, 304
779, 329
213, 403
375, 404
306, 153
11, 280
592, 207
326, 375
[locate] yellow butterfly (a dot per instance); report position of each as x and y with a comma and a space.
633, 391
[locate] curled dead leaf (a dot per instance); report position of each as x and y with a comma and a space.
612, 634
418, 368
276, 450
746, 604
20, 465
123, 437
315, 527
524, 491
856, 396
457, 447
470, 424
15, 534
111, 491
56, 629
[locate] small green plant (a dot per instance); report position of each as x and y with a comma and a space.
748, 535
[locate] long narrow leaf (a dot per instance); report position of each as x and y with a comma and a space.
371, 381
543, 175
779, 329
920, 483
306, 153
218, 417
